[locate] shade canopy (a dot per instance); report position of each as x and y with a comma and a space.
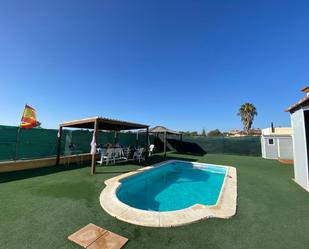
99, 123
103, 124
162, 129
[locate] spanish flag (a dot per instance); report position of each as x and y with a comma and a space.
28, 119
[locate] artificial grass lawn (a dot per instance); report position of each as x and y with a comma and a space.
40, 208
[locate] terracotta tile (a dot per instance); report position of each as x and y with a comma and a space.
87, 235
108, 240
286, 161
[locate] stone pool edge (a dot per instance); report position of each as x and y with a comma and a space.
225, 207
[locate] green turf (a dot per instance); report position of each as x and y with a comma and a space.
40, 208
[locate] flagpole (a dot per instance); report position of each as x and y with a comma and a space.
28, 120
17, 137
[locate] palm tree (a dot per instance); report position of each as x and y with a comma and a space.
247, 112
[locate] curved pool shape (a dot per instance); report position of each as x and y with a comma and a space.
171, 193
173, 186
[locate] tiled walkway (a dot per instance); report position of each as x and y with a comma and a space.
94, 237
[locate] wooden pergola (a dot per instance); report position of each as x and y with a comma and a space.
99, 123
165, 131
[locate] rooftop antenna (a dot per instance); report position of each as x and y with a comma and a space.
272, 127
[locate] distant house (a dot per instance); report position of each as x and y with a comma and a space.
236, 133
241, 133
255, 132
277, 143
300, 125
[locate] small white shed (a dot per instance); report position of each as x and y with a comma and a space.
300, 125
277, 143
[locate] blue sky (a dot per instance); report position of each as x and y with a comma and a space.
187, 65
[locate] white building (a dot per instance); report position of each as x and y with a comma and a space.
277, 143
300, 125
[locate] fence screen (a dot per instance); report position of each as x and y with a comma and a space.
17, 144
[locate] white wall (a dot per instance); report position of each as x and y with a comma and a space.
263, 145
300, 149
271, 150
285, 148
281, 148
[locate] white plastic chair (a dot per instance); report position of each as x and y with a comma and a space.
110, 156
151, 149
138, 154
107, 155
119, 155
126, 152
102, 152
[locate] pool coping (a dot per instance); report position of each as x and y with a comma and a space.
225, 207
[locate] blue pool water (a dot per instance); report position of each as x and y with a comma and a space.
173, 186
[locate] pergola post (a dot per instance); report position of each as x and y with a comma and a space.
136, 140
115, 137
59, 145
146, 143
165, 144
93, 159
180, 137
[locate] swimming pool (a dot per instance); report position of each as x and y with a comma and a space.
173, 186
171, 193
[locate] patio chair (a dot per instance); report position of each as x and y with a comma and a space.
151, 149
119, 155
102, 152
110, 156
126, 152
138, 154
107, 156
